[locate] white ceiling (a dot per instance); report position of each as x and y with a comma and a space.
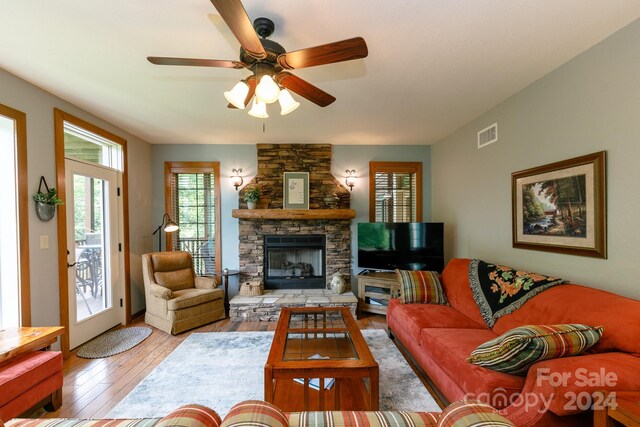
433, 65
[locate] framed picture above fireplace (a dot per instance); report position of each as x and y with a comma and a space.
296, 190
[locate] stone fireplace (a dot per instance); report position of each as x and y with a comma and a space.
273, 161
294, 252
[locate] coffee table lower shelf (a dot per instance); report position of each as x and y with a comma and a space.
347, 394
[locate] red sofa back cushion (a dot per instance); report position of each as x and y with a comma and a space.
569, 303
455, 281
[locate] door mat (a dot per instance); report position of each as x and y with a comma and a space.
113, 342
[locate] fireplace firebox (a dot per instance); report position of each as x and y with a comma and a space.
294, 262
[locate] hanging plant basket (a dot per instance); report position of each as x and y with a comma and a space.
46, 202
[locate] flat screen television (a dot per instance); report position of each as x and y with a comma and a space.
406, 246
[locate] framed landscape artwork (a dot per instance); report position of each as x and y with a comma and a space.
296, 190
561, 207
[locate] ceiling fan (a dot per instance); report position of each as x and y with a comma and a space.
269, 62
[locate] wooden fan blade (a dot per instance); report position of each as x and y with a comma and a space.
238, 22
344, 50
160, 60
305, 89
251, 81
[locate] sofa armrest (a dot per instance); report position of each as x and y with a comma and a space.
568, 383
160, 291
207, 282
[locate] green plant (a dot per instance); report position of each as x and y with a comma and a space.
48, 198
252, 195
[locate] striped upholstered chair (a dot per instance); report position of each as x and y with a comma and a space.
177, 299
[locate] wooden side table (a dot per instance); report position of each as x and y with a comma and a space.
15, 341
225, 281
625, 412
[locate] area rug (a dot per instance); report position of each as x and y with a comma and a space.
221, 369
113, 342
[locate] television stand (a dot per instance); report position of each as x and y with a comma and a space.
375, 290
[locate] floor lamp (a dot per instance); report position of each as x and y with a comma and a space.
169, 227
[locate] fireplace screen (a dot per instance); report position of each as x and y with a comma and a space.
294, 262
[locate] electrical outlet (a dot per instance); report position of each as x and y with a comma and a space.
44, 241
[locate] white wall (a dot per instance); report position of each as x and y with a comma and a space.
38, 106
589, 104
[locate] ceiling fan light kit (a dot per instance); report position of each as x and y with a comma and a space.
269, 61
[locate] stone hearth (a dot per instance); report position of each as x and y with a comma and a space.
266, 308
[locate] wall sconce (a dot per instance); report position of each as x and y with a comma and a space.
350, 180
236, 178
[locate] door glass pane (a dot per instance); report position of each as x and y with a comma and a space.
9, 262
90, 212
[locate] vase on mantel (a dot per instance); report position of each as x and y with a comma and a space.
251, 205
338, 284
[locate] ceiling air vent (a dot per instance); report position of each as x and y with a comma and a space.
488, 135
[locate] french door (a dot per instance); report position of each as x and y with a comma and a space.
95, 265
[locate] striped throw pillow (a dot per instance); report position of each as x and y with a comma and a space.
516, 350
363, 419
251, 413
191, 416
472, 413
421, 287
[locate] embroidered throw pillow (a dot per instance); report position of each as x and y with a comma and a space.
472, 413
421, 287
516, 350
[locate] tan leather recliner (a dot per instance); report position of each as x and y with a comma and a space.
177, 299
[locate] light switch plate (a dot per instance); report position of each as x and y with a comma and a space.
44, 241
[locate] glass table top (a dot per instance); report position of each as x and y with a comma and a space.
321, 335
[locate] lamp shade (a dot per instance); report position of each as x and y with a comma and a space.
259, 109
237, 95
267, 90
171, 226
287, 103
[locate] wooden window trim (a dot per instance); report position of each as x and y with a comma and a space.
20, 120
171, 168
59, 118
398, 167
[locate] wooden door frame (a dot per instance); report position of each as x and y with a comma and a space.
22, 177
59, 118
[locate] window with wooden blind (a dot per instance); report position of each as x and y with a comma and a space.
395, 191
192, 197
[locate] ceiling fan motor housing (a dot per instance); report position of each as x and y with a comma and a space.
273, 50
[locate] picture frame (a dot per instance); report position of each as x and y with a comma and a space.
561, 207
296, 190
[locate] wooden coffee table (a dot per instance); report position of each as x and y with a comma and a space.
315, 345
622, 410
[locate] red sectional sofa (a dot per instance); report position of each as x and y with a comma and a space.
554, 392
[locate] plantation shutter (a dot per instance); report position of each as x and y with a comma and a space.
395, 191
193, 208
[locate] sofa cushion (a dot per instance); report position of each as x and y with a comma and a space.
420, 287
449, 348
415, 317
68, 422
186, 298
455, 281
362, 419
26, 371
255, 413
472, 413
516, 350
191, 416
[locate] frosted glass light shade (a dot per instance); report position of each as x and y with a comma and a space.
267, 90
237, 95
287, 103
259, 109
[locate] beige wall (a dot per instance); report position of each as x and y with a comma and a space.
38, 106
589, 104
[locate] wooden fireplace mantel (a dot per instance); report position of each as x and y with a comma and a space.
294, 213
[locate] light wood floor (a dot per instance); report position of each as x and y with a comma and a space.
92, 387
